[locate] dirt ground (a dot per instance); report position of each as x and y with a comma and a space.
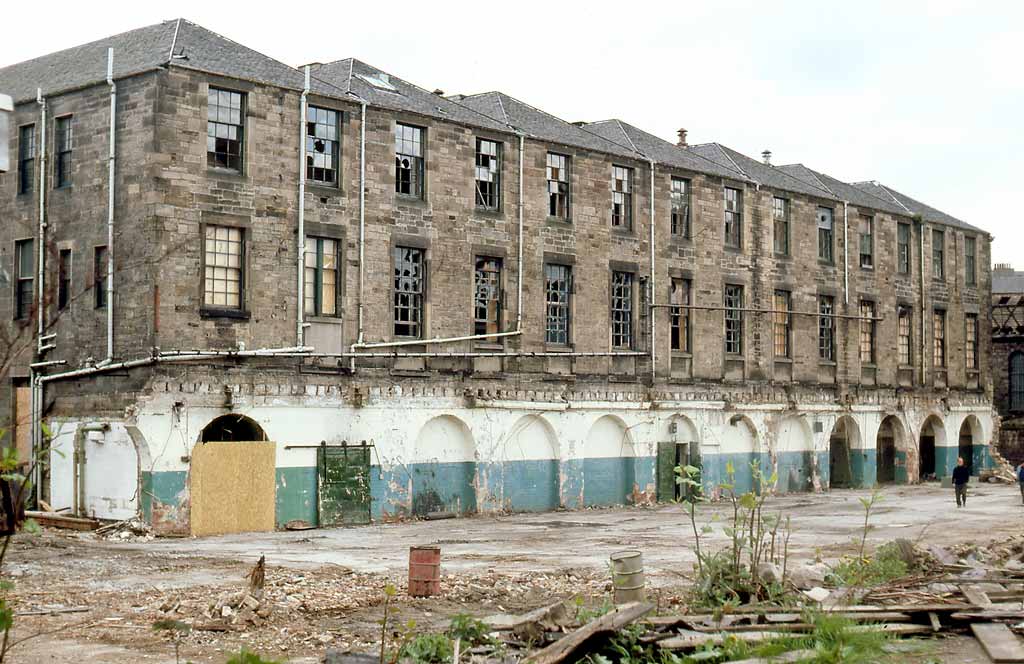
326, 587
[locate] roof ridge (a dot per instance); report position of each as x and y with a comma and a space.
732, 161
501, 105
815, 174
618, 123
174, 40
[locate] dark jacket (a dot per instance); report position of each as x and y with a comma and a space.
961, 474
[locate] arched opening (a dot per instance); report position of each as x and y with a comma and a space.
679, 447
845, 469
443, 468
971, 444
232, 428
609, 470
932, 438
1017, 381
794, 456
739, 447
888, 444
530, 479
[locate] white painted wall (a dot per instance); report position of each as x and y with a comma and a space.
608, 438
111, 477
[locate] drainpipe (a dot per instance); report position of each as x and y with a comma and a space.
40, 284
362, 225
111, 161
519, 268
300, 262
920, 278
846, 254
650, 310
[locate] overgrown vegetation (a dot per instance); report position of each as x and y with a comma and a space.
730, 576
428, 649
864, 570
248, 657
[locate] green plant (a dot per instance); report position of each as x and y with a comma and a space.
389, 594
868, 504
834, 640
428, 649
885, 565
247, 657
177, 629
469, 630
585, 614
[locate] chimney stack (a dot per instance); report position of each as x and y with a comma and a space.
682, 139
767, 156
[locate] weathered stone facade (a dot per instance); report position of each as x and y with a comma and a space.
782, 412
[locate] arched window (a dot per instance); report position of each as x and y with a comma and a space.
1017, 381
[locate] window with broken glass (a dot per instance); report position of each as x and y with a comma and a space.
321, 288
866, 225
26, 158
783, 327
487, 296
903, 248
63, 279
558, 186
223, 261
826, 328
62, 169
905, 343
780, 213
867, 332
408, 296
557, 291
970, 258
225, 131
680, 207
488, 174
825, 234
938, 254
409, 160
622, 309
99, 277
939, 334
622, 197
733, 217
24, 259
680, 315
733, 320
971, 342
323, 151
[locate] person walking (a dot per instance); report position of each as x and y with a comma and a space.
1020, 480
960, 476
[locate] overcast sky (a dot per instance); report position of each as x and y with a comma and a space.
927, 97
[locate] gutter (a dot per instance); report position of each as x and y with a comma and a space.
300, 261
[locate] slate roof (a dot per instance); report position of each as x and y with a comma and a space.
843, 191
659, 149
537, 124
927, 212
146, 49
1007, 281
764, 174
371, 84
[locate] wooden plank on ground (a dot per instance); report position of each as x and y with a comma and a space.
610, 622
791, 657
58, 521
984, 616
688, 639
933, 618
999, 642
975, 595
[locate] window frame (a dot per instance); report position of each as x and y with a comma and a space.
826, 235
63, 131
1015, 381
24, 300
938, 254
495, 169
680, 321
904, 250
971, 348
621, 310
553, 197
65, 273
733, 217
681, 199
319, 271
417, 297
826, 328
904, 313
418, 166
28, 151
970, 261
496, 284
622, 197
99, 276
782, 323
335, 145
781, 208
939, 350
870, 237
734, 319
562, 306
240, 126
241, 311
868, 347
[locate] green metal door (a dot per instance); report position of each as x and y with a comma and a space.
343, 485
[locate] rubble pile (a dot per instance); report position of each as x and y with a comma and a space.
129, 530
1001, 472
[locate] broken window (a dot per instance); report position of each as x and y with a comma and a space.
409, 160
26, 158
903, 248
487, 296
971, 342
1017, 381
99, 277
938, 254
867, 332
905, 344
825, 234
225, 130
409, 264
939, 330
223, 261
733, 217
488, 174
622, 309
321, 288
62, 169
782, 302
622, 197
826, 328
680, 207
63, 279
733, 320
970, 257
323, 152
557, 291
558, 186
867, 241
24, 260
780, 212
680, 316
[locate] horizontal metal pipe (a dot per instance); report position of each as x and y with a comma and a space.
446, 340
701, 307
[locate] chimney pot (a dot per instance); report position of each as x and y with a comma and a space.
767, 156
439, 92
682, 139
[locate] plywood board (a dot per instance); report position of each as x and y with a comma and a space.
23, 423
232, 487
999, 642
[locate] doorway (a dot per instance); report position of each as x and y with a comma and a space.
840, 466
885, 452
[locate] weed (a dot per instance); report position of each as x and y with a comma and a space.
428, 649
469, 630
885, 565
585, 614
247, 657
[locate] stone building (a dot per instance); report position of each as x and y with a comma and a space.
404, 302
1008, 359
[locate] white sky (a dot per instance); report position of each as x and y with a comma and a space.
927, 97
